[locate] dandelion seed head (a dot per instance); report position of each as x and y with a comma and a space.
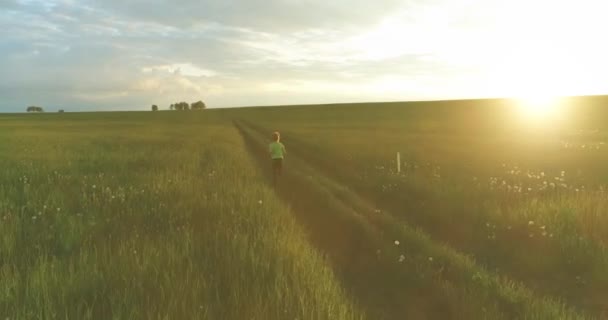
396, 242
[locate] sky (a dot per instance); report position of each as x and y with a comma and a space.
94, 55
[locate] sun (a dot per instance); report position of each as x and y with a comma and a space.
538, 106
535, 87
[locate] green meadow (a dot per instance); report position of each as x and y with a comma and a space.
491, 213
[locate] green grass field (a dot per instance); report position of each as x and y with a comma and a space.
171, 215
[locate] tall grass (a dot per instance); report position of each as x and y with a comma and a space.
559, 222
410, 261
526, 203
140, 216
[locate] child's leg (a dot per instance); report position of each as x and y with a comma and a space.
274, 172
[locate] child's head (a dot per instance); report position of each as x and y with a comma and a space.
276, 136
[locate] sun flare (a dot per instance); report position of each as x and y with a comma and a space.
540, 106
539, 111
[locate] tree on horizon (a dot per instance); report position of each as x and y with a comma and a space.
180, 106
199, 105
34, 109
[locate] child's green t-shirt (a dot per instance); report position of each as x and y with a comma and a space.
277, 150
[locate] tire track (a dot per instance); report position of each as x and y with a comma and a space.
350, 245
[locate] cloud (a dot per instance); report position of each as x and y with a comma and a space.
186, 69
111, 54
276, 16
